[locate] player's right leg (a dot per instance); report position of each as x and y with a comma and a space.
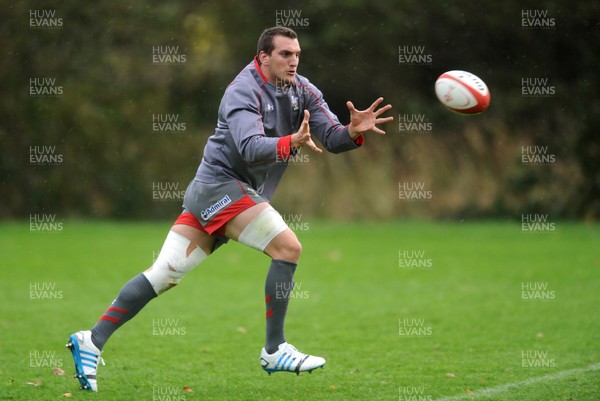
261, 227
184, 248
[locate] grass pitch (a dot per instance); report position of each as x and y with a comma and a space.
400, 310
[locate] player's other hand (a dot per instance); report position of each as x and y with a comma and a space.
302, 137
367, 120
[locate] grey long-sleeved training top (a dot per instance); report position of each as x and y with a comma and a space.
251, 142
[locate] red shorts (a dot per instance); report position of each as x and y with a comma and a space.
201, 198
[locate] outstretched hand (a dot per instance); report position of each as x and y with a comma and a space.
367, 120
303, 137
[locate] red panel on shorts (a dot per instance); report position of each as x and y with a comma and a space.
189, 220
217, 224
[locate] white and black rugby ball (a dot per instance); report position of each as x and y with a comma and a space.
462, 92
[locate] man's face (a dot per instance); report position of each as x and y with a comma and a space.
280, 67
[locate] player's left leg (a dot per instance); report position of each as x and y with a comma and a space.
262, 227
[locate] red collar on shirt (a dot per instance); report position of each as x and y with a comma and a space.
259, 69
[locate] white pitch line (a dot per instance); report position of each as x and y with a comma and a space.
504, 387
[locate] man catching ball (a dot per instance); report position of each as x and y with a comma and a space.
266, 115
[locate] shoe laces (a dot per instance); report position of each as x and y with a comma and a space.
290, 349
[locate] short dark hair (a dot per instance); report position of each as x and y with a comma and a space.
265, 41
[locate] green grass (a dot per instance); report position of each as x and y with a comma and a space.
353, 296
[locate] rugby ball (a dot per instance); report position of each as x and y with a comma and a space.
462, 92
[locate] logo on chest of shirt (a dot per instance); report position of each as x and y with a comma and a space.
270, 107
294, 99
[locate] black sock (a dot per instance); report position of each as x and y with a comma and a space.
131, 299
278, 286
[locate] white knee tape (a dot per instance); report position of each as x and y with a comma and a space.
177, 257
260, 231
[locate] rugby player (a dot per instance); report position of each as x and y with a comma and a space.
266, 115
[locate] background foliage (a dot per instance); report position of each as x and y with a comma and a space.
102, 123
